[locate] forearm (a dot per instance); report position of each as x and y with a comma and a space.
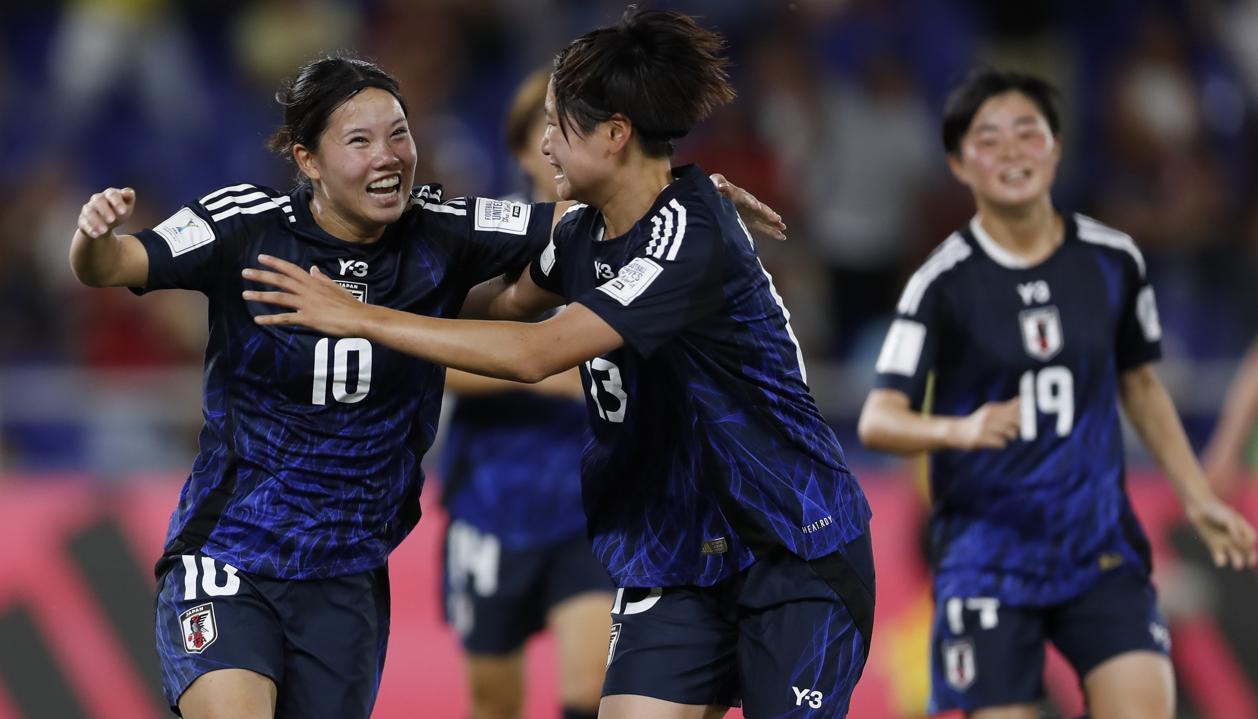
1151, 412
888, 425
95, 261
505, 350
563, 384
1240, 412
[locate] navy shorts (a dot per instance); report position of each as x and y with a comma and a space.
321, 641
984, 654
784, 638
497, 598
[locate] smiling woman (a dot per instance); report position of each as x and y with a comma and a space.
272, 587
309, 459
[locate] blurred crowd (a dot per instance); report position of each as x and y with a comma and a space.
836, 126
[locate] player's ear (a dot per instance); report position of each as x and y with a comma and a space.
306, 162
618, 131
958, 169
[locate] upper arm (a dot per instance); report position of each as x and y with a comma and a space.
183, 252
495, 236
498, 299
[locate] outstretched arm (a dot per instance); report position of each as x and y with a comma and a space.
1149, 409
889, 424
1223, 455
523, 352
100, 258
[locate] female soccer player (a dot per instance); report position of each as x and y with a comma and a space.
517, 559
272, 592
716, 495
1037, 327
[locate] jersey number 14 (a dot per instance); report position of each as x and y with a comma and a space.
1051, 390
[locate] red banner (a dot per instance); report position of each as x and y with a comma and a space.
76, 610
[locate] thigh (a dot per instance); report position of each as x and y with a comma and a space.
985, 655
1117, 616
676, 644
229, 694
335, 633
804, 633
580, 625
1134, 685
209, 617
493, 595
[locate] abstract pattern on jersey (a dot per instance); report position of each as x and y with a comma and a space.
309, 458
1037, 522
708, 446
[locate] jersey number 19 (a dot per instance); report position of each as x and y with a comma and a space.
1051, 391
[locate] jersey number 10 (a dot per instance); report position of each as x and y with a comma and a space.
1051, 391
341, 392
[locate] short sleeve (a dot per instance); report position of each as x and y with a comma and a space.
671, 282
495, 236
183, 251
910, 349
546, 270
1139, 339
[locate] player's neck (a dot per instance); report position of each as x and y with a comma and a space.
1030, 232
632, 192
332, 223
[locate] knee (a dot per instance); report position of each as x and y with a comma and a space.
495, 702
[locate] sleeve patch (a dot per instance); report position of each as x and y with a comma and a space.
902, 349
631, 281
502, 216
547, 259
185, 231
1147, 314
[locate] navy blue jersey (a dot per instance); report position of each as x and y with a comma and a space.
1036, 522
309, 458
511, 467
707, 445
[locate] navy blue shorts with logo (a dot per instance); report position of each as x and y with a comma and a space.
784, 638
985, 654
321, 641
496, 598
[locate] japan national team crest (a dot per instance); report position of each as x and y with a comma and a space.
1041, 332
959, 667
199, 628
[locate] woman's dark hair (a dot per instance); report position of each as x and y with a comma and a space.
965, 100
658, 68
321, 86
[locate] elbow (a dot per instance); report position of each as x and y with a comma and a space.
871, 435
530, 368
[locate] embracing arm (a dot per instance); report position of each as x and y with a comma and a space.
889, 424
499, 299
100, 258
565, 384
1149, 409
519, 351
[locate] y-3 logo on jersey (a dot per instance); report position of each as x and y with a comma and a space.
811, 696
603, 271
1034, 292
357, 268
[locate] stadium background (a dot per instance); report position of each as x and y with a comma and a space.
835, 126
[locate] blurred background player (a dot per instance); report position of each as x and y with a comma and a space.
715, 493
273, 594
1036, 327
517, 558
